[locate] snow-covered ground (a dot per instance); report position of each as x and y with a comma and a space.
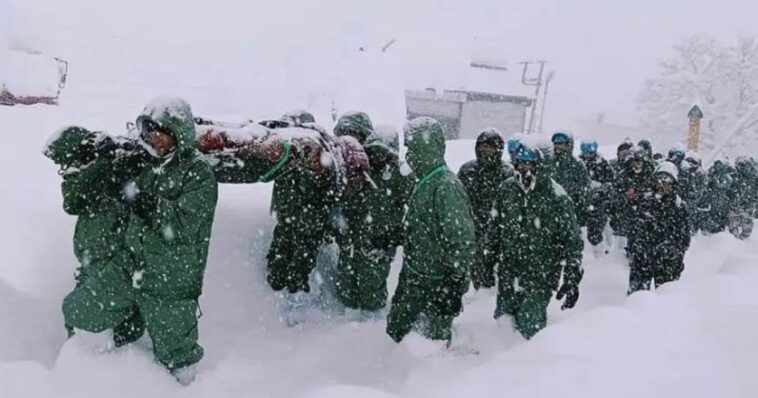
693, 338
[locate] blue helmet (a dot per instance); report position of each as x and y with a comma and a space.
526, 154
588, 148
676, 154
562, 138
513, 144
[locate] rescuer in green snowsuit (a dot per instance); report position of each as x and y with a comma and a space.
743, 198
374, 229
439, 240
570, 173
481, 178
159, 280
601, 178
661, 233
716, 197
94, 170
533, 237
302, 199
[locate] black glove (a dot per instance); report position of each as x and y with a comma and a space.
459, 285
144, 205
572, 295
141, 200
572, 275
449, 295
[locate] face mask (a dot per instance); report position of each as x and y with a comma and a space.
665, 185
622, 156
637, 166
487, 154
526, 176
561, 149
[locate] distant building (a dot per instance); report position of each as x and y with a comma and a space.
464, 114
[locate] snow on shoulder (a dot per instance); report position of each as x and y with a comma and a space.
558, 188
54, 137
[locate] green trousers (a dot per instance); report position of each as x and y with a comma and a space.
106, 299
362, 277
527, 307
422, 304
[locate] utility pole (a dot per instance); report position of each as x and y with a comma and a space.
537, 83
548, 78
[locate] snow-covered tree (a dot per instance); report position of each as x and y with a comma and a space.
722, 80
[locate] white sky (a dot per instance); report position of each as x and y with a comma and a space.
602, 50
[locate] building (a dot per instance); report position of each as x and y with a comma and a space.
464, 113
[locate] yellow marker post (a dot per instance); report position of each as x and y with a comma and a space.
693, 139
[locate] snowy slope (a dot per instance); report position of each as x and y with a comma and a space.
694, 338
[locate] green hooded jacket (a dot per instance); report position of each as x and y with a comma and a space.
439, 239
439, 225
744, 190
386, 204
534, 236
373, 230
716, 197
90, 193
175, 203
572, 175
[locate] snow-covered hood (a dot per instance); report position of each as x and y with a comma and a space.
175, 116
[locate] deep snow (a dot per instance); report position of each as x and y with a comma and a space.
692, 338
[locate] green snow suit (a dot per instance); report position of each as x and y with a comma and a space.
172, 204
601, 178
532, 238
373, 231
571, 174
481, 179
439, 240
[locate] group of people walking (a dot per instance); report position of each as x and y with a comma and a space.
512, 222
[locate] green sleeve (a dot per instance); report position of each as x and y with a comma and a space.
569, 239
240, 169
583, 179
457, 226
86, 187
189, 217
491, 250
465, 175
